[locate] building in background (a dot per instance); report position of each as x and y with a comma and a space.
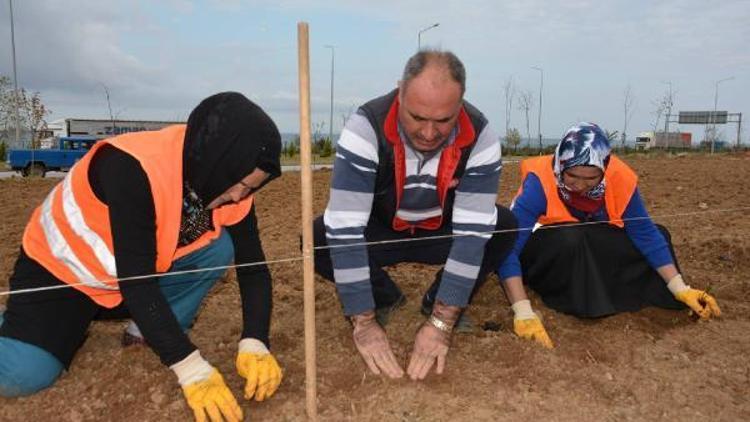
103, 128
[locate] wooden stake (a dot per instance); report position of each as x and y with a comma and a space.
308, 267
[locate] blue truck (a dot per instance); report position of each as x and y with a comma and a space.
73, 138
36, 162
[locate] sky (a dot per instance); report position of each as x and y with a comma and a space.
159, 59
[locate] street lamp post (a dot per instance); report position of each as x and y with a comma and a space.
330, 121
713, 115
539, 118
419, 34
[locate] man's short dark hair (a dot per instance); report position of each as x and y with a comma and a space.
416, 64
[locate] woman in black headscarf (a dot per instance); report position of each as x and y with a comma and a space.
176, 199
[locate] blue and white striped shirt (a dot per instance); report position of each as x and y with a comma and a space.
351, 202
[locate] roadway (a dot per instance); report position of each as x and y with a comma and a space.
59, 174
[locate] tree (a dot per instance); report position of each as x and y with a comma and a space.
525, 103
662, 104
658, 112
509, 89
109, 108
628, 108
513, 138
325, 147
292, 147
612, 136
32, 112
317, 129
7, 105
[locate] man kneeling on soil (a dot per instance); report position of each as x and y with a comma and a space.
176, 200
416, 163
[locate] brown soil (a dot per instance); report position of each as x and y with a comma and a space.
650, 365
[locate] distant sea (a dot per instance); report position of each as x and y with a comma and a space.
288, 137
553, 141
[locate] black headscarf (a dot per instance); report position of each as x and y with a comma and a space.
227, 137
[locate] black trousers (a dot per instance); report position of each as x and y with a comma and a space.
424, 250
593, 271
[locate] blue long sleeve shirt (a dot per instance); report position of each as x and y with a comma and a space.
532, 203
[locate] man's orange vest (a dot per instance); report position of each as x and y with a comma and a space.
70, 233
621, 184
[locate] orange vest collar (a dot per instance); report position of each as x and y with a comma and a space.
621, 184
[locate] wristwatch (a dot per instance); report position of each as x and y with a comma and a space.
440, 324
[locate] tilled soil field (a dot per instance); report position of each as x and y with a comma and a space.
650, 365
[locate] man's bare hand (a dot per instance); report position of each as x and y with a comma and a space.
432, 341
373, 346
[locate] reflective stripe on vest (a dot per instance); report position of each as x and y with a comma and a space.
70, 233
621, 184
59, 246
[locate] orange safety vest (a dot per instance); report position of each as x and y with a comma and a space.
621, 184
70, 233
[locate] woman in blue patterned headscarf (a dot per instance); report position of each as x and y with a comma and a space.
589, 270
581, 157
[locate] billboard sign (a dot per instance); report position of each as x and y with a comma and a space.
702, 117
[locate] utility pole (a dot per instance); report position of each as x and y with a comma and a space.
539, 118
330, 120
713, 115
419, 34
739, 129
15, 75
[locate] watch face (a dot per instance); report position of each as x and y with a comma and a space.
440, 325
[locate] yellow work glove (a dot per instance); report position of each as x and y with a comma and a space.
258, 366
205, 390
527, 324
699, 301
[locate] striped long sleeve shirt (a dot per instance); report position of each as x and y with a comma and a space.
351, 202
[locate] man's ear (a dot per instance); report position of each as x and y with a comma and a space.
400, 85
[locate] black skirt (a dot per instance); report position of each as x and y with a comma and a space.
593, 271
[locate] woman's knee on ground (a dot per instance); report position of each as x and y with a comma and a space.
222, 252
25, 369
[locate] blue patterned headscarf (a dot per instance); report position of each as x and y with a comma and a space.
584, 144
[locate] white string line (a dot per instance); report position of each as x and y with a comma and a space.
552, 227
381, 242
155, 275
